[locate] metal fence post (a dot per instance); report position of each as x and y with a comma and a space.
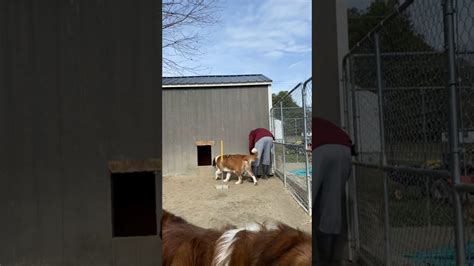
357, 148
308, 181
272, 126
273, 153
448, 13
346, 124
382, 146
353, 211
283, 141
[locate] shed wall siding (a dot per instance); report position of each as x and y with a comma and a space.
216, 114
79, 86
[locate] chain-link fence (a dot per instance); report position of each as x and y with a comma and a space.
291, 126
409, 107
464, 58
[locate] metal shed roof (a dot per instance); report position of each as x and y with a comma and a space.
217, 80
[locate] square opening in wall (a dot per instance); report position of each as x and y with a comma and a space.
204, 155
133, 204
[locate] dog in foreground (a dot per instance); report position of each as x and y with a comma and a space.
185, 244
237, 164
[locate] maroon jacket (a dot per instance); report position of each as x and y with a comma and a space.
257, 134
325, 132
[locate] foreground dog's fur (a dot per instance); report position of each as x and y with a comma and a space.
187, 245
237, 164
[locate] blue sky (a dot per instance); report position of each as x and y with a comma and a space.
270, 37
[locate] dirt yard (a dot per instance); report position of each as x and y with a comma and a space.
196, 199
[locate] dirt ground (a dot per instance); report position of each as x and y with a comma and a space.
196, 199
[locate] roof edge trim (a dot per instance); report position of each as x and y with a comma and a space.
240, 84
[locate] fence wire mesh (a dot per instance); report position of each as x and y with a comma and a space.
400, 124
291, 126
465, 70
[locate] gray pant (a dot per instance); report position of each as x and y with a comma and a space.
264, 147
331, 169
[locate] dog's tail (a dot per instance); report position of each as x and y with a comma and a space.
214, 161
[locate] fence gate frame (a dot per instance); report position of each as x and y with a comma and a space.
284, 148
455, 148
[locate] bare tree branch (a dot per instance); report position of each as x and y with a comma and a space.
181, 21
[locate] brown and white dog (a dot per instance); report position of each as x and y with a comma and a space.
237, 164
257, 244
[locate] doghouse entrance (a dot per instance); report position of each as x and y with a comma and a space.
204, 155
133, 204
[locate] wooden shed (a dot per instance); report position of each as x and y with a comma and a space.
200, 111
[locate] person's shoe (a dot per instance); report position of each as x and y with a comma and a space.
266, 171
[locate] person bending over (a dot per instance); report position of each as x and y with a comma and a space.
262, 140
332, 151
